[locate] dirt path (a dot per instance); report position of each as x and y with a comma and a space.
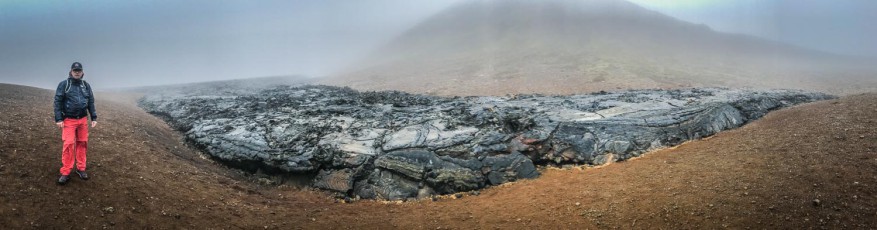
768, 174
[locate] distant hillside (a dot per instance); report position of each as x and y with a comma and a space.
568, 46
224, 86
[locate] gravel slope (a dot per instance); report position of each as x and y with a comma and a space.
767, 174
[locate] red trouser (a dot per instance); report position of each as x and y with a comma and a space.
75, 136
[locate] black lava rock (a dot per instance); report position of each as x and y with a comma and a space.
395, 145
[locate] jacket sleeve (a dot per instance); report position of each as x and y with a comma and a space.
91, 103
59, 101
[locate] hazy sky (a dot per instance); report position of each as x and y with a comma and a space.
837, 26
128, 43
137, 42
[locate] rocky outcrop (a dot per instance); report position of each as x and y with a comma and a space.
394, 145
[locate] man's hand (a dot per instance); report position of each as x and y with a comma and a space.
93, 124
60, 124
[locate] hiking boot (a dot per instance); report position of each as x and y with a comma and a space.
63, 179
82, 175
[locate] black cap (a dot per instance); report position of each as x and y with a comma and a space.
76, 66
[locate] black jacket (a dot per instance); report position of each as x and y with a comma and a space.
74, 99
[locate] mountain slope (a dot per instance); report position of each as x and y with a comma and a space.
567, 46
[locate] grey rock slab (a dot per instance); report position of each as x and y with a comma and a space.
432, 135
395, 145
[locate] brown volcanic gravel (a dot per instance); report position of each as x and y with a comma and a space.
810, 166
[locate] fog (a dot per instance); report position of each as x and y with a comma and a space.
137, 43
133, 43
842, 26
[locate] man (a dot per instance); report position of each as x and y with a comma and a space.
74, 101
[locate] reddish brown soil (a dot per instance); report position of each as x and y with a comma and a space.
767, 174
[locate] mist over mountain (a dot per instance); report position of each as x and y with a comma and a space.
567, 46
